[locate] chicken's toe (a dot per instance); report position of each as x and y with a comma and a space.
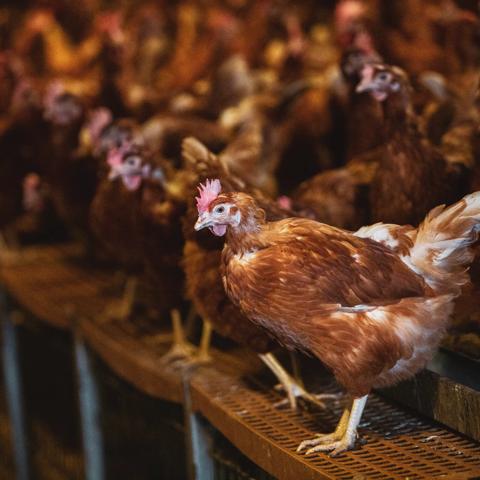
310, 443
324, 447
335, 447
328, 443
320, 438
179, 351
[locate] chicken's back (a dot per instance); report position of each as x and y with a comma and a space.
350, 301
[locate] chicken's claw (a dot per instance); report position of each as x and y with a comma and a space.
179, 352
335, 448
328, 443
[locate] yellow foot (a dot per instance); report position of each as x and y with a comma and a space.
186, 356
328, 443
201, 359
344, 436
292, 387
180, 351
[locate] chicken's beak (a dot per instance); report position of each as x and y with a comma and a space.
367, 82
202, 222
365, 85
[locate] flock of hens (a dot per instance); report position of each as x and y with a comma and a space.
228, 155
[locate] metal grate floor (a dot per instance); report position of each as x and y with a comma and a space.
236, 397
394, 443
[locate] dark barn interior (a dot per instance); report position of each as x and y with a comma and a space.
239, 239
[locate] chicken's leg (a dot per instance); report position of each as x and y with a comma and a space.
122, 309
293, 388
344, 436
179, 332
203, 355
181, 348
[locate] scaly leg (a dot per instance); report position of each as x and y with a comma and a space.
330, 437
181, 348
203, 355
178, 334
293, 388
344, 436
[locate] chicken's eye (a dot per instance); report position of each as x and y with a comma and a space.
383, 76
220, 209
132, 161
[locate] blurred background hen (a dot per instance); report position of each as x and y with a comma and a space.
345, 112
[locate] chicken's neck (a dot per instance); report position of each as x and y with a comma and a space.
245, 236
400, 119
403, 138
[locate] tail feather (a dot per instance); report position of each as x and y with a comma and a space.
441, 252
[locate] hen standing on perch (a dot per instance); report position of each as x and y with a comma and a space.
371, 305
202, 260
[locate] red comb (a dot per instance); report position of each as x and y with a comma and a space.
208, 193
115, 155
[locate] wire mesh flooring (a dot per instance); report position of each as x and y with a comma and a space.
235, 394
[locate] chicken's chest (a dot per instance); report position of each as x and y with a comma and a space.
407, 183
272, 292
115, 221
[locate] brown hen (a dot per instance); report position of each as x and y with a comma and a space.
413, 176
371, 305
138, 224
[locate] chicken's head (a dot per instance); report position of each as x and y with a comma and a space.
114, 135
62, 108
218, 211
214, 209
382, 80
128, 163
